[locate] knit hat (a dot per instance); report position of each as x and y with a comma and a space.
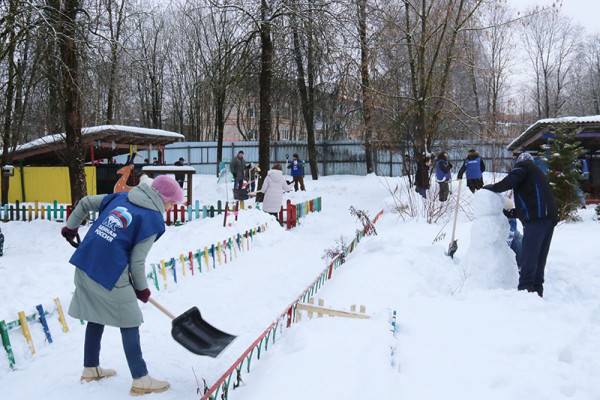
524, 157
168, 188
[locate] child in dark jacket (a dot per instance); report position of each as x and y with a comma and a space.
297, 170
442, 174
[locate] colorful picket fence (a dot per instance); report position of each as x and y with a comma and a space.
29, 212
292, 213
203, 260
60, 212
232, 377
22, 322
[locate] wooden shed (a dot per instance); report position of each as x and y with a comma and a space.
45, 157
587, 130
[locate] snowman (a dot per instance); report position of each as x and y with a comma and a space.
490, 264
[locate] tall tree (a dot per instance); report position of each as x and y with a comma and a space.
68, 37
306, 92
367, 96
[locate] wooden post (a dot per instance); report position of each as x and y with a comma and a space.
191, 258
225, 215
42, 319
321, 304
6, 344
61, 315
168, 221
163, 272
189, 187
26, 332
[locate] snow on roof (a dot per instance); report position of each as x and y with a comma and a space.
121, 129
174, 168
589, 119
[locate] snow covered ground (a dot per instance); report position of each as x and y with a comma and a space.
459, 337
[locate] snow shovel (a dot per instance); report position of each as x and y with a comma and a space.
453, 247
194, 333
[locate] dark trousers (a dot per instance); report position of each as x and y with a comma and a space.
298, 180
131, 345
537, 236
474, 184
444, 190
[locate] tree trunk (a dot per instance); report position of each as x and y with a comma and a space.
9, 99
72, 98
219, 125
265, 83
306, 98
110, 101
367, 106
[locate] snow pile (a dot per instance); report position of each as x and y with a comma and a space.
490, 264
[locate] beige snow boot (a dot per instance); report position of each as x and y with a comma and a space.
146, 385
90, 374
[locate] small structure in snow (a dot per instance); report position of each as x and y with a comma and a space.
490, 262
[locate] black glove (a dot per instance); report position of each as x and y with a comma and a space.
69, 234
510, 214
489, 187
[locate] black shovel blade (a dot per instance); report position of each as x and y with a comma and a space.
198, 336
452, 248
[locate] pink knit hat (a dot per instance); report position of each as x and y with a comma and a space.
168, 188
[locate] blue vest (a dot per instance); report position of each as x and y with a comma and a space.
105, 251
297, 168
440, 175
473, 168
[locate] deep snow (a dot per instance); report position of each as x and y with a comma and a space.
459, 337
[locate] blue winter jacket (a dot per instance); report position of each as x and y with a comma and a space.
105, 251
442, 170
297, 167
533, 196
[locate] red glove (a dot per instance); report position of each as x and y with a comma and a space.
68, 233
143, 295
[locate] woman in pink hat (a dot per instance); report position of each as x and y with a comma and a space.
110, 276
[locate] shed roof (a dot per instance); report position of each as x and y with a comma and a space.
107, 140
588, 132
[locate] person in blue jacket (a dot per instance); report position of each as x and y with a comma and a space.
442, 174
536, 208
110, 271
297, 170
474, 166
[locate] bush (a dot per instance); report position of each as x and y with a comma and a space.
563, 173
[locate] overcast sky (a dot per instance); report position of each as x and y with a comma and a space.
583, 12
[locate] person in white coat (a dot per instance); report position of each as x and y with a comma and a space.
273, 188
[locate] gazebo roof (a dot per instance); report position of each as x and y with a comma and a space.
588, 132
107, 141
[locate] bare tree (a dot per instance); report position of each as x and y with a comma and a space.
551, 42
68, 37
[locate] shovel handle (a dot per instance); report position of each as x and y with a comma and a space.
456, 211
161, 308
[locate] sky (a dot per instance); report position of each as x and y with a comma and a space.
583, 12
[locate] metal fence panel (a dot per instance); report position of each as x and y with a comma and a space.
334, 158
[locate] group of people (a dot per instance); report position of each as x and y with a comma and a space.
533, 205
245, 176
473, 166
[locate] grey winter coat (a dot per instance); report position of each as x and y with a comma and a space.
119, 306
237, 167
